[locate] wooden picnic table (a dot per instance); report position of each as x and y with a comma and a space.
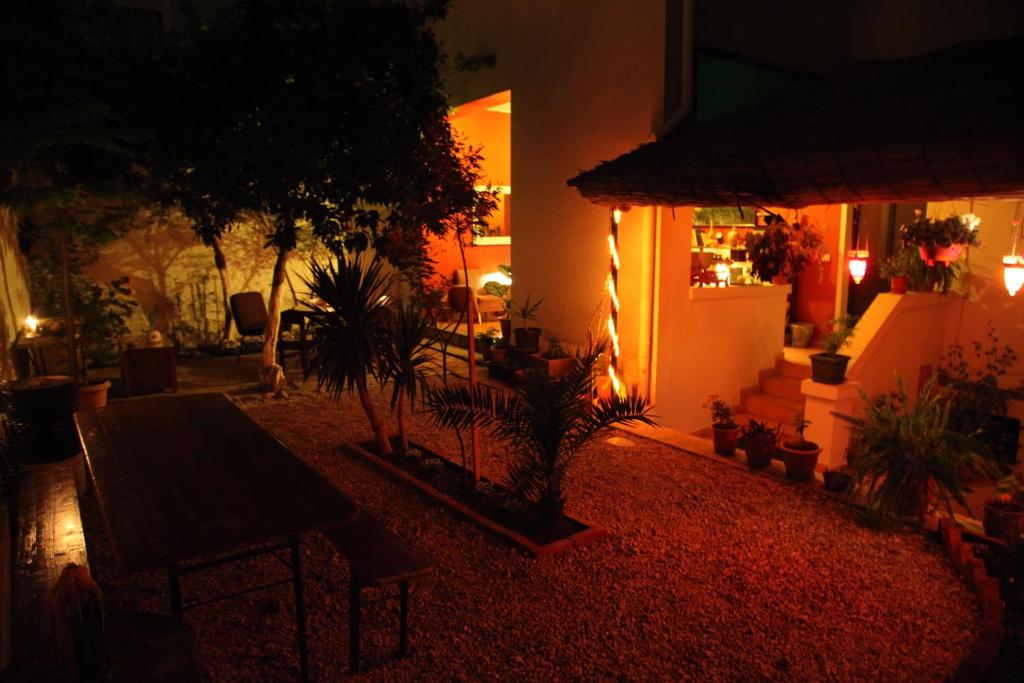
182, 480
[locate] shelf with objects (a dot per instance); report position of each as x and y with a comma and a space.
718, 252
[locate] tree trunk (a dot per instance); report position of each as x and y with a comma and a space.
225, 287
271, 376
383, 443
403, 438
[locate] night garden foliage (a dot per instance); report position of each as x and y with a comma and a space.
544, 423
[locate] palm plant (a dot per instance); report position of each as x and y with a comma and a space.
545, 422
407, 354
351, 325
906, 452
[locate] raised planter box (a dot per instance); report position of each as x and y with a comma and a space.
584, 533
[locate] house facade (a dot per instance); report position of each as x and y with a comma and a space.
590, 82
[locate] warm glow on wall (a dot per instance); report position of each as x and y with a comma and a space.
858, 264
613, 298
1013, 273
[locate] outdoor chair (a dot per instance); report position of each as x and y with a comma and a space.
250, 316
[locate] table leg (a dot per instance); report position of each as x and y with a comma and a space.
175, 589
300, 610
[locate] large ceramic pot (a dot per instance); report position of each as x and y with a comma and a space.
800, 457
933, 255
898, 284
527, 337
1004, 519
829, 368
725, 438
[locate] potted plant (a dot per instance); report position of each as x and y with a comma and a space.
904, 453
544, 423
527, 337
1004, 514
759, 441
941, 240
781, 251
898, 268
723, 426
504, 292
555, 359
838, 480
800, 455
829, 367
485, 341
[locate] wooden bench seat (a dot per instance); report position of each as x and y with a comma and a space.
377, 558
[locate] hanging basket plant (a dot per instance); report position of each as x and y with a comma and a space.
942, 240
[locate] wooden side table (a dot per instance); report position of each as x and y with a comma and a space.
149, 370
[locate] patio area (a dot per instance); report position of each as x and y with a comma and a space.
708, 573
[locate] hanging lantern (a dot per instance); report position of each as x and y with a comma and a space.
1013, 273
1013, 264
857, 261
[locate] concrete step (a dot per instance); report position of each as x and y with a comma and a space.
774, 408
796, 370
783, 387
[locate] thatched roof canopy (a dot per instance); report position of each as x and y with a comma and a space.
944, 125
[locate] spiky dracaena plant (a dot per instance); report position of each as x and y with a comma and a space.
406, 356
544, 422
351, 331
905, 450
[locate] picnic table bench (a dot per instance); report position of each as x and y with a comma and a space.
377, 558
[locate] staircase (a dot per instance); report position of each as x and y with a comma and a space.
776, 400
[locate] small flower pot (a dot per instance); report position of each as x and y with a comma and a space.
555, 367
837, 481
527, 337
725, 438
93, 395
800, 458
506, 330
945, 255
829, 369
499, 354
800, 334
898, 284
1004, 520
759, 453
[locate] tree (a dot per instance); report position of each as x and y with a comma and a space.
545, 423
406, 355
318, 112
351, 331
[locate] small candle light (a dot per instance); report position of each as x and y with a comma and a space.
31, 325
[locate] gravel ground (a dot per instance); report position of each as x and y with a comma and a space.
709, 573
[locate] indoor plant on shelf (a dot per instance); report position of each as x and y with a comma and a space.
759, 441
829, 367
527, 337
941, 240
555, 360
906, 454
723, 426
800, 455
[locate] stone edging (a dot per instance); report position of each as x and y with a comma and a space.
580, 538
982, 655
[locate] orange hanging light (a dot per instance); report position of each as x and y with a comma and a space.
857, 261
1013, 263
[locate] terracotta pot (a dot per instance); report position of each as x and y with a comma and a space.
499, 354
555, 367
725, 439
898, 284
759, 453
829, 369
800, 462
933, 255
93, 395
1004, 520
837, 482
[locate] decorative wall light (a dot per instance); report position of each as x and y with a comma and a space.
31, 326
613, 297
1013, 264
